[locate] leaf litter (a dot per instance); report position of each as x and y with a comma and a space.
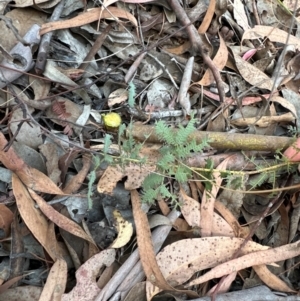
218, 73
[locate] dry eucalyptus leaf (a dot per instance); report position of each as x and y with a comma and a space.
211, 10
285, 103
86, 288
22, 19
50, 152
56, 282
112, 175
208, 200
64, 112
158, 220
191, 212
145, 244
271, 280
124, 228
219, 60
30, 135
30, 156
178, 262
92, 15
266, 256
240, 15
272, 33
53, 73
118, 96
33, 218
252, 74
59, 219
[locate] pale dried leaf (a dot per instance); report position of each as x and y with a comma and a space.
33, 218
124, 229
178, 262
29, 134
190, 209
272, 33
145, 245
219, 60
113, 174
22, 293
59, 219
38, 181
118, 96
240, 15
56, 282
109, 180
208, 200
158, 220
208, 17
260, 257
252, 75
92, 15
239, 231
285, 103
6, 218
86, 288
271, 280
191, 212
225, 285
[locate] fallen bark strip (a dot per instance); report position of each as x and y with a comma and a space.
221, 140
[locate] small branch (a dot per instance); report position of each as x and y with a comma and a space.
183, 96
197, 45
45, 40
221, 140
98, 43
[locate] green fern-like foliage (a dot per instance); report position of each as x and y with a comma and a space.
128, 146
177, 147
107, 144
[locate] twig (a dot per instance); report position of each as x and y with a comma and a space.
197, 45
255, 12
45, 40
98, 43
183, 96
221, 140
